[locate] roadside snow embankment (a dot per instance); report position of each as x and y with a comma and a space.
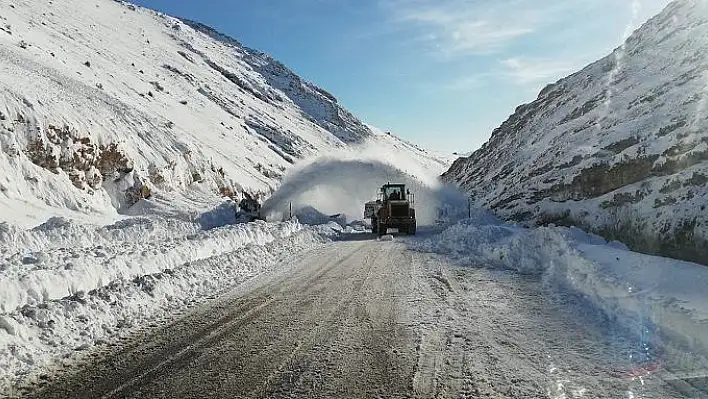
61, 258
67, 287
643, 293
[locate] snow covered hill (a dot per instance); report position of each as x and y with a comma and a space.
620, 147
104, 104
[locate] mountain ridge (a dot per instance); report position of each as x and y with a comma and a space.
619, 147
104, 104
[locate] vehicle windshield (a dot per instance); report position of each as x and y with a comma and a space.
394, 192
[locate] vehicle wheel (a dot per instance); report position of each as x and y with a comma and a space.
374, 225
411, 230
382, 229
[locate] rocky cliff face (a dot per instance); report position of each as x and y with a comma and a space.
620, 147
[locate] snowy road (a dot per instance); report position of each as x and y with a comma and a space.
362, 318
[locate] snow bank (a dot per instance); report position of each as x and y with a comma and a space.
311, 216
60, 301
644, 294
60, 258
223, 215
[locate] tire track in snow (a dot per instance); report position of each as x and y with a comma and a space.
202, 340
493, 333
370, 319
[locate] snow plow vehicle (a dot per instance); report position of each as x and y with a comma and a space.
249, 209
392, 210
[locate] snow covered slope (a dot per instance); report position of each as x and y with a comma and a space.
103, 104
620, 147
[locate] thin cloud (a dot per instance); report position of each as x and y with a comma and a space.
456, 27
521, 44
465, 83
455, 33
482, 27
526, 71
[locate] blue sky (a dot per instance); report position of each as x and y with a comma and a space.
441, 73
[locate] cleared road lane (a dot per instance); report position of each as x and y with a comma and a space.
368, 319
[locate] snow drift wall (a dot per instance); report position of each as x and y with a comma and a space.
150, 269
659, 300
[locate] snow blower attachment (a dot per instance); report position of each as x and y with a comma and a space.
392, 210
249, 209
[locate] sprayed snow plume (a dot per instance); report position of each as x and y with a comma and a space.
334, 186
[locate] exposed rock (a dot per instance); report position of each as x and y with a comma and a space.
624, 138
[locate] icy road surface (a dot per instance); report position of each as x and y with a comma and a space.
362, 318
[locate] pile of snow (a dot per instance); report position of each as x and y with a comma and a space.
223, 215
386, 237
60, 257
311, 216
68, 286
642, 293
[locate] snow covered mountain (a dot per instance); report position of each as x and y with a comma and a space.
620, 147
103, 103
